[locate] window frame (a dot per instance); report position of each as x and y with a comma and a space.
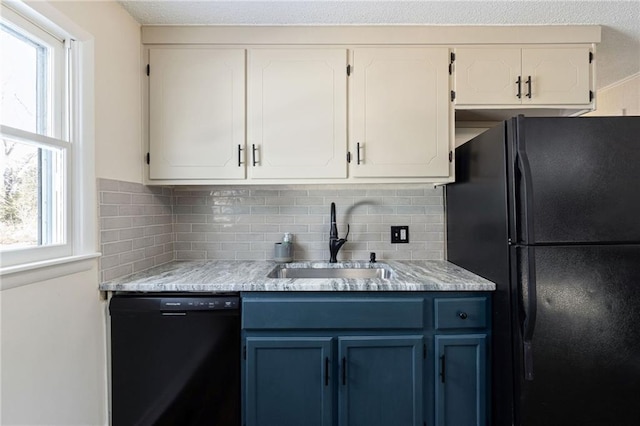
75, 134
51, 134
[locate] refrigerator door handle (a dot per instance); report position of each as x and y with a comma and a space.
530, 315
525, 169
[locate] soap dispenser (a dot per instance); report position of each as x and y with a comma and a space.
283, 252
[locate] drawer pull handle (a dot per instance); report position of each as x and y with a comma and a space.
463, 315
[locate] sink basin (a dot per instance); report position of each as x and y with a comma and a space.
361, 272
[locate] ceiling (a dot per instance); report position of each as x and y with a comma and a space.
618, 55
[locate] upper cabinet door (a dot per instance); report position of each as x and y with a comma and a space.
400, 112
537, 76
196, 113
297, 104
487, 76
558, 76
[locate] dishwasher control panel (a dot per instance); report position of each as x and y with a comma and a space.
198, 303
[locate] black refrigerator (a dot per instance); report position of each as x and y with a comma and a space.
549, 209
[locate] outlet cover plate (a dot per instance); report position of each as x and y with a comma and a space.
399, 234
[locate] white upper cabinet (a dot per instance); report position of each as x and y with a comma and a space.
297, 113
196, 113
508, 76
487, 76
400, 112
338, 104
556, 76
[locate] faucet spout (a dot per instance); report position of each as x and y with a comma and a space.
335, 243
333, 232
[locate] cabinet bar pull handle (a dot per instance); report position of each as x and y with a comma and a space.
344, 371
519, 83
529, 87
358, 153
253, 154
326, 371
442, 369
239, 155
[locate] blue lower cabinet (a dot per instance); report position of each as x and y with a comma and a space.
381, 381
365, 359
460, 380
287, 381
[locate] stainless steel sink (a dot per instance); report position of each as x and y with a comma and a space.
361, 272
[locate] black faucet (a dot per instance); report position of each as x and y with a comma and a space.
334, 242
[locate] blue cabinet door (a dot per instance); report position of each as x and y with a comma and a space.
288, 381
461, 383
380, 381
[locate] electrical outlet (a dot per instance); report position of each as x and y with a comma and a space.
399, 234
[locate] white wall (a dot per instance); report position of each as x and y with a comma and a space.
118, 75
53, 352
621, 98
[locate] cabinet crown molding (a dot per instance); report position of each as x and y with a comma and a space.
371, 34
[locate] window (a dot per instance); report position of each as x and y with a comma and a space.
37, 146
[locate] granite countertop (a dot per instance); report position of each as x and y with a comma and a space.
235, 276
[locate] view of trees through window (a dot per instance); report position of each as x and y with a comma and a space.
31, 196
19, 162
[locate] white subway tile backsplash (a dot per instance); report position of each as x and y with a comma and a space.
115, 198
110, 236
264, 228
188, 236
143, 242
265, 210
304, 211
136, 227
132, 256
115, 223
164, 257
190, 255
153, 251
183, 245
219, 236
108, 210
117, 272
244, 223
142, 199
143, 264
131, 210
117, 247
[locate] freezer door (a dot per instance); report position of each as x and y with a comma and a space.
584, 367
574, 179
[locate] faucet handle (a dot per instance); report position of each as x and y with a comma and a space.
345, 237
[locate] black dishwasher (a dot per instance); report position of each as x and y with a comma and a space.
175, 359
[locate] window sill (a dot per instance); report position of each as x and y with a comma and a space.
29, 273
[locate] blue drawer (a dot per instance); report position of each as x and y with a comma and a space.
326, 313
460, 313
